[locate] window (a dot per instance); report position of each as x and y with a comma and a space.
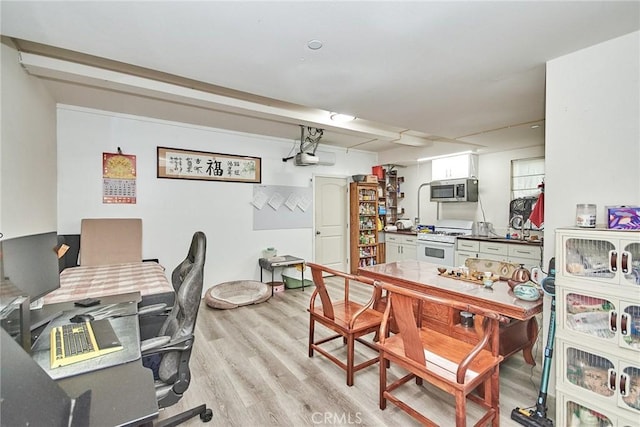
526, 175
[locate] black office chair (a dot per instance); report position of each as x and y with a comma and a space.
172, 346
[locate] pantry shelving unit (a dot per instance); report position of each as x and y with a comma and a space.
393, 196
363, 208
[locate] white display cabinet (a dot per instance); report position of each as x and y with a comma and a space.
598, 327
602, 319
605, 378
575, 411
599, 256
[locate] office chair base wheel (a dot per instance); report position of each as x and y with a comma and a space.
206, 416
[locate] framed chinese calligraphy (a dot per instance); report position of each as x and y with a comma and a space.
200, 165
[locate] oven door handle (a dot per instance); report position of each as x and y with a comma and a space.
435, 244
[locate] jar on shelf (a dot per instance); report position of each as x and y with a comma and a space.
586, 215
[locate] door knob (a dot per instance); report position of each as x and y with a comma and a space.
317, 232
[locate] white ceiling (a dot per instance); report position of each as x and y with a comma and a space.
456, 74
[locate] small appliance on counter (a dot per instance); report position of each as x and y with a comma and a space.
483, 229
404, 224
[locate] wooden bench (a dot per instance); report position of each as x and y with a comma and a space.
453, 365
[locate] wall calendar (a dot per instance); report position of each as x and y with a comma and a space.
118, 178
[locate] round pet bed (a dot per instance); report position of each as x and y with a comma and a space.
234, 294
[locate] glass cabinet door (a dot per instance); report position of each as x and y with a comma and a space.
630, 325
590, 315
589, 371
601, 259
630, 262
630, 388
584, 415
610, 379
590, 258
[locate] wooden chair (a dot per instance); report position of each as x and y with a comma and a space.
452, 365
350, 320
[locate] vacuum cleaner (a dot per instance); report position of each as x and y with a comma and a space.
537, 417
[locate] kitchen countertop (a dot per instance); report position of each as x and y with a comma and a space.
502, 240
407, 232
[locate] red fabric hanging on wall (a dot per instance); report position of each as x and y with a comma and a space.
537, 214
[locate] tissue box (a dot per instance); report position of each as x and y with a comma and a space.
623, 217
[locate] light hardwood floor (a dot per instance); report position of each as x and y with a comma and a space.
250, 366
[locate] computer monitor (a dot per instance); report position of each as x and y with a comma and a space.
29, 269
30, 397
30, 263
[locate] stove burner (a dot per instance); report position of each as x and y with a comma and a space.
443, 236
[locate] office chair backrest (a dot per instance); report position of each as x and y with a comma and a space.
180, 272
188, 275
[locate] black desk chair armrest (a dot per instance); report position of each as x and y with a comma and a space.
153, 309
164, 344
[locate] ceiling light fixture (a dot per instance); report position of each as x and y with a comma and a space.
341, 118
314, 44
424, 159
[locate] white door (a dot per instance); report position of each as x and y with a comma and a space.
330, 210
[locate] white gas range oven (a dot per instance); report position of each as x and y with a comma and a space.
439, 246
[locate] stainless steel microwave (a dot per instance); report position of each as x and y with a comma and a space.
455, 190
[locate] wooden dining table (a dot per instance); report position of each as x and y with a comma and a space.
519, 334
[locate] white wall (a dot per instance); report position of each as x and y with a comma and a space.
172, 209
494, 173
592, 135
27, 152
593, 131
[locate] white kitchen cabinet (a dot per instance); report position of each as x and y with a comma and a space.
495, 251
462, 256
598, 334
528, 255
466, 249
461, 166
515, 253
467, 245
400, 247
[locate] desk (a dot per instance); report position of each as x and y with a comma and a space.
122, 394
270, 264
520, 334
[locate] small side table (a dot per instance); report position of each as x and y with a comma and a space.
270, 264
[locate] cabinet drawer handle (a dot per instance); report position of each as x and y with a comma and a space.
612, 379
624, 264
613, 320
613, 261
624, 379
624, 318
